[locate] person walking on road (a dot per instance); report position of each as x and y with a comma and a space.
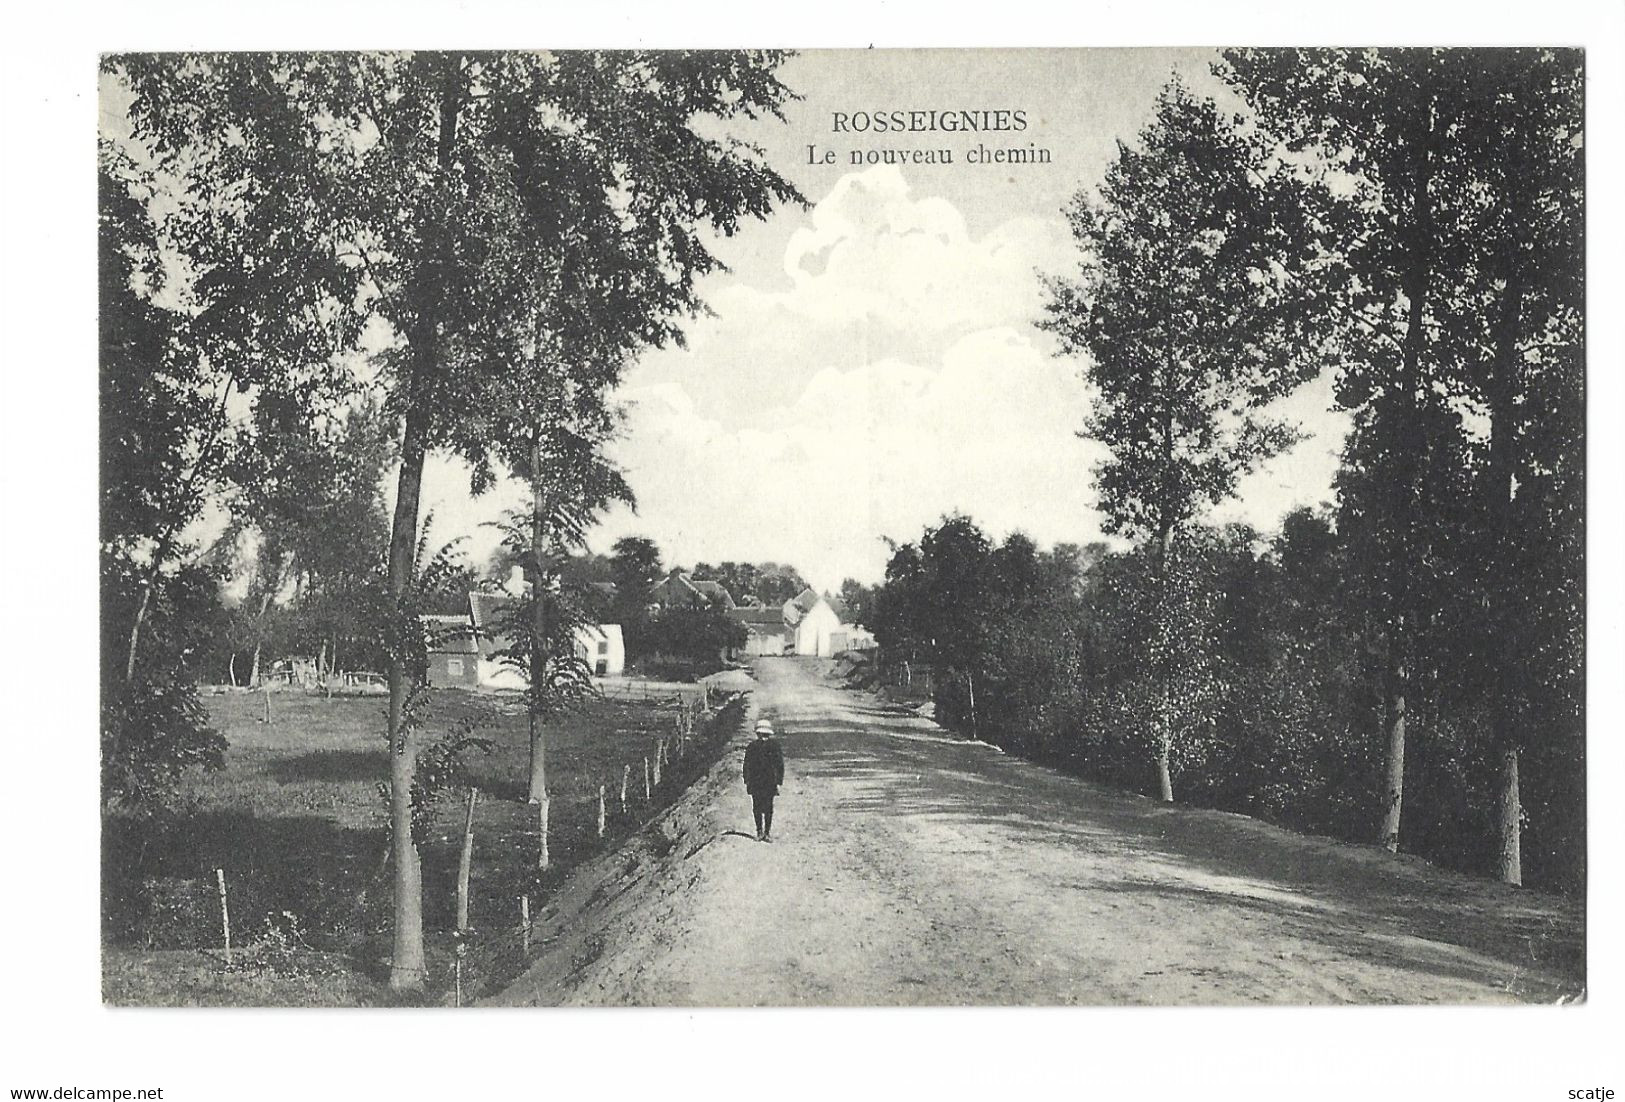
764, 772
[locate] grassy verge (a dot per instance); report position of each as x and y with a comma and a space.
297, 822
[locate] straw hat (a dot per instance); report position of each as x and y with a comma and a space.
763, 725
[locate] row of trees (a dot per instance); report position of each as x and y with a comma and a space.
1055, 655
474, 242
1411, 220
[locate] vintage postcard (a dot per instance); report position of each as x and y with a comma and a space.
742, 528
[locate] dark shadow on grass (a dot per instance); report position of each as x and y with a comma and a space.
332, 765
495, 785
158, 878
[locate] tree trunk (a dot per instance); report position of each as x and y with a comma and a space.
1409, 393
1509, 812
1394, 787
135, 628
231, 669
259, 641
1503, 573
538, 632
1165, 708
406, 970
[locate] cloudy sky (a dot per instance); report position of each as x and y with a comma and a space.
873, 360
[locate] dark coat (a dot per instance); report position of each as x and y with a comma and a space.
764, 767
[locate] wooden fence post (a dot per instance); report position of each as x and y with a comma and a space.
660, 753
600, 811
465, 862
225, 913
626, 777
458, 980
524, 924
647, 792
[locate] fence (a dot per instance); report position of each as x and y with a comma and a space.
626, 688
570, 826
914, 679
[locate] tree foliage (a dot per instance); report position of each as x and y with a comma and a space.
1455, 239
160, 455
1183, 309
488, 230
1188, 312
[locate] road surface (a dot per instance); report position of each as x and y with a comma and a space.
910, 868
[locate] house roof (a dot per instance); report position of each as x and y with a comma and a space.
807, 600
450, 634
680, 587
486, 610
758, 617
714, 590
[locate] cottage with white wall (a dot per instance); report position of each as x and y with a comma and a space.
467, 650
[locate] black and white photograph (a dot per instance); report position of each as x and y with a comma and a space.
696, 528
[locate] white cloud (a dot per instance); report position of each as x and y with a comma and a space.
865, 452
896, 376
872, 273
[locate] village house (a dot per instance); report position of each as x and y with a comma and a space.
454, 654
822, 624
809, 624
678, 590
766, 633
467, 651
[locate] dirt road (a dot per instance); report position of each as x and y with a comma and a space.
908, 868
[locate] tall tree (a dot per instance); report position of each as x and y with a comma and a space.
1380, 118
1183, 309
163, 445
1523, 210
634, 566
571, 484
1455, 231
332, 192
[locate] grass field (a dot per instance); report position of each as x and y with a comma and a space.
298, 823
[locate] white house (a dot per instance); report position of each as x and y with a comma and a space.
824, 627
602, 646
766, 633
